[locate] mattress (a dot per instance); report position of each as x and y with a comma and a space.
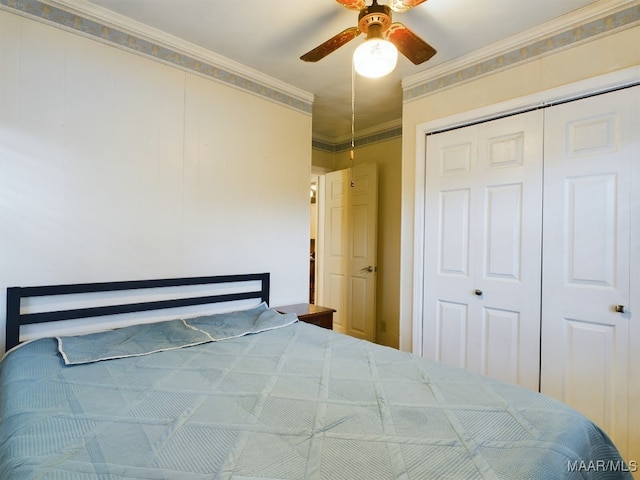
290, 401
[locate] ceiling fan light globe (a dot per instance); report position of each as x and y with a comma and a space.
398, 6
375, 58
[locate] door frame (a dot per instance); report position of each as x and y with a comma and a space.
573, 91
318, 174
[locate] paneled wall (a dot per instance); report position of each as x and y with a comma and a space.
116, 167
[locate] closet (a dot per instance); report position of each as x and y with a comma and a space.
532, 243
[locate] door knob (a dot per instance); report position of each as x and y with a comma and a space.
621, 309
479, 293
367, 269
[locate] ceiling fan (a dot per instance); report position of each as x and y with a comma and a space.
375, 21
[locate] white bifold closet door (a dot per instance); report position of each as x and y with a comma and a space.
587, 307
483, 220
524, 282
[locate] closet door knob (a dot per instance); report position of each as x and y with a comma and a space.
621, 309
479, 293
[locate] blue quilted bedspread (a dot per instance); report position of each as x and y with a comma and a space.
288, 403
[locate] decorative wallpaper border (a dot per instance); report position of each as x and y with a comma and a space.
605, 25
55, 16
358, 142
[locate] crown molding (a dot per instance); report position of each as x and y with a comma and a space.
371, 131
567, 31
97, 23
379, 133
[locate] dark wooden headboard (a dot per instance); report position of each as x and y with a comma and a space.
15, 295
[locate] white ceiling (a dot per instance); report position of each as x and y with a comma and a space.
270, 36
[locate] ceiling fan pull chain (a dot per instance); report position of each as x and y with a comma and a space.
353, 122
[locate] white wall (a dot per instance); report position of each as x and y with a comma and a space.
116, 167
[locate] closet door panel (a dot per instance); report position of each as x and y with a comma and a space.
589, 351
453, 257
450, 246
482, 257
591, 213
589, 147
501, 327
503, 232
451, 327
509, 175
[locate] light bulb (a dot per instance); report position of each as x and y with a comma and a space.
375, 58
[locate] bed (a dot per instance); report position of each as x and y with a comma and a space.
247, 392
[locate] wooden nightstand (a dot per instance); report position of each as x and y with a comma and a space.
310, 313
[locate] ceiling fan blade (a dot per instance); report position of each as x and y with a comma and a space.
409, 44
354, 4
331, 45
404, 5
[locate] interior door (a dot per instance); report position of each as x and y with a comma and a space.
590, 145
350, 249
483, 246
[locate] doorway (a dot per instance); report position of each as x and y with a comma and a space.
346, 248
